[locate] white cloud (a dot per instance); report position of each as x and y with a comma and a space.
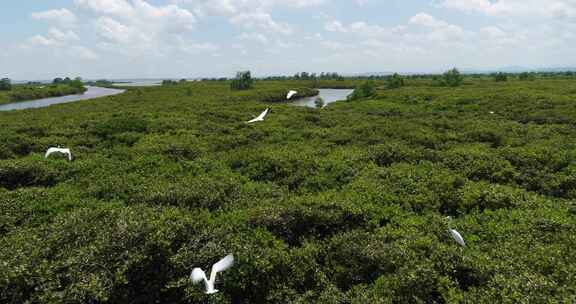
145, 35
438, 30
168, 17
250, 14
55, 37
62, 42
136, 27
108, 7
362, 28
194, 48
232, 7
120, 33
337, 46
83, 53
510, 8
62, 17
254, 37
260, 21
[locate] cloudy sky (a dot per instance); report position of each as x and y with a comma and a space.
208, 38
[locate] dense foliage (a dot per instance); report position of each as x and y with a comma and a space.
451, 78
31, 92
500, 77
5, 84
101, 83
395, 81
527, 76
364, 90
341, 205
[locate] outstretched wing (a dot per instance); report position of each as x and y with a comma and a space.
457, 237
48, 152
222, 265
69, 154
260, 117
264, 114
291, 94
198, 275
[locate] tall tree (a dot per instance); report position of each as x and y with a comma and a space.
5, 84
243, 81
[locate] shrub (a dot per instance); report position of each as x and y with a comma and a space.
16, 174
5, 84
365, 90
389, 153
527, 76
109, 127
243, 81
319, 102
395, 81
451, 78
318, 220
500, 77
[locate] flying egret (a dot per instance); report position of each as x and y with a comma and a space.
260, 117
59, 150
198, 274
291, 94
491, 112
455, 234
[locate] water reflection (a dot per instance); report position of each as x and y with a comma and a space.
328, 95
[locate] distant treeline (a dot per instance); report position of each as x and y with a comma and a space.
336, 76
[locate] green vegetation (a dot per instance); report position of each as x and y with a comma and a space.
169, 82
32, 92
500, 77
527, 76
363, 91
319, 102
243, 81
101, 83
395, 81
5, 84
451, 78
343, 205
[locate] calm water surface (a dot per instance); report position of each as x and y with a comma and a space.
91, 92
329, 96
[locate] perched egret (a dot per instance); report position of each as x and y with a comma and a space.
59, 150
455, 234
198, 274
291, 94
260, 117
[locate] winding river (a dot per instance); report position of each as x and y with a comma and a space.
328, 95
91, 93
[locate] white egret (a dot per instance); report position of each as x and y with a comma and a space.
198, 274
491, 112
59, 150
455, 234
260, 117
291, 94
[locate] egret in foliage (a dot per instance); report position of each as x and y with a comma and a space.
291, 94
59, 150
198, 274
260, 117
455, 234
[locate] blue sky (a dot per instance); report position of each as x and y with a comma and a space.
209, 38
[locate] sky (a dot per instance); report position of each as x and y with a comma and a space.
116, 39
